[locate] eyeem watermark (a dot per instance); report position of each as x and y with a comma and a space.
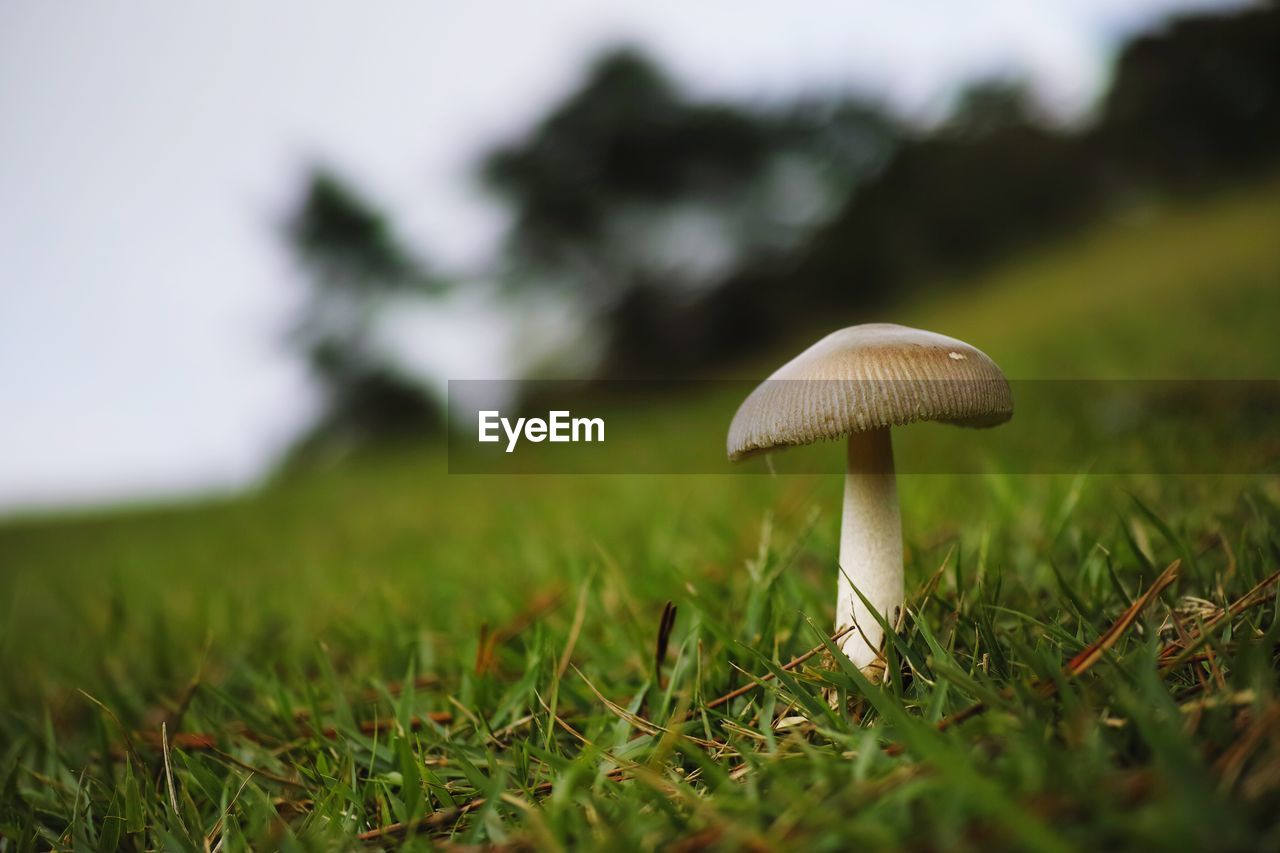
1193, 427
559, 426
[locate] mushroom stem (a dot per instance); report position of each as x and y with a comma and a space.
870, 545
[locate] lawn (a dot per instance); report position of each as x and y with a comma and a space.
379, 650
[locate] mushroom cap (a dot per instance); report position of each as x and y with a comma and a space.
868, 377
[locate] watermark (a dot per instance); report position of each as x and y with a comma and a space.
558, 427
682, 427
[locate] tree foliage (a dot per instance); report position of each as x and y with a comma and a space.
1191, 106
352, 261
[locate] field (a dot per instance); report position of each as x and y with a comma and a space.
379, 650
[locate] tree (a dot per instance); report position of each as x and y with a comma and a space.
1198, 100
635, 199
353, 263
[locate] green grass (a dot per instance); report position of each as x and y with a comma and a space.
291, 626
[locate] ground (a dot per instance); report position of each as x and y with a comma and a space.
380, 648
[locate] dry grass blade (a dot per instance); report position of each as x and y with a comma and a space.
257, 771
617, 710
1087, 657
1091, 655
128, 739
1177, 654
216, 832
168, 768
579, 614
639, 722
436, 820
792, 664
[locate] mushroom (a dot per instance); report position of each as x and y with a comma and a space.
858, 383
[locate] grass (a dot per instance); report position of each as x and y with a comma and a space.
380, 648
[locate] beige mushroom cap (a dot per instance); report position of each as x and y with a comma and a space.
868, 377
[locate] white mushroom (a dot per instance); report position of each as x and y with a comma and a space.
858, 383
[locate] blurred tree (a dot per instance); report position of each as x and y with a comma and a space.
1191, 106
637, 200
1197, 100
991, 106
353, 263
990, 179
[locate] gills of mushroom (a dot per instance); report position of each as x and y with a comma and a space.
859, 383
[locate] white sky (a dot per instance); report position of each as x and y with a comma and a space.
148, 151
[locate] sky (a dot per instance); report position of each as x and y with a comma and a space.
150, 150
